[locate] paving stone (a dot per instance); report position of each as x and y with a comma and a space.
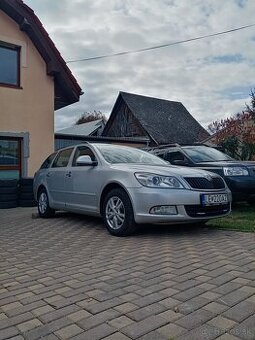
234, 297
102, 306
170, 315
27, 308
149, 299
42, 310
210, 296
251, 299
68, 332
11, 306
99, 332
120, 322
170, 302
140, 328
79, 315
204, 332
245, 330
194, 319
215, 307
8, 332
126, 307
227, 337
15, 320
117, 336
28, 325
95, 320
189, 294
192, 305
56, 314
227, 288
222, 323
171, 331
154, 335
47, 329
241, 311
145, 312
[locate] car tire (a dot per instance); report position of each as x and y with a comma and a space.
8, 197
8, 205
8, 190
8, 183
118, 213
44, 209
26, 182
26, 196
26, 203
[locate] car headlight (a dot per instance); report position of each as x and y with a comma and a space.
235, 171
158, 181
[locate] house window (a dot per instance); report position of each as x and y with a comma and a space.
10, 158
9, 65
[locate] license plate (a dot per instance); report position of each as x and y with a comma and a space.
213, 199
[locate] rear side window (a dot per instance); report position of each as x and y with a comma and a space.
46, 164
62, 158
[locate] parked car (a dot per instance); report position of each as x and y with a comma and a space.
239, 175
127, 186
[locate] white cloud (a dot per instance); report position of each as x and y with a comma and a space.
206, 75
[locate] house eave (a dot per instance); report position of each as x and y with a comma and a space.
66, 87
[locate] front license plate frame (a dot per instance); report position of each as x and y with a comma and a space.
214, 199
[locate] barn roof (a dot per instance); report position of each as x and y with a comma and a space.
163, 120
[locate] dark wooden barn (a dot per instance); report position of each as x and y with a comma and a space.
162, 121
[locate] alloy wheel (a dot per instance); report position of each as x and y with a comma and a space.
115, 212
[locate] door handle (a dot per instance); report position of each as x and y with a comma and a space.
69, 174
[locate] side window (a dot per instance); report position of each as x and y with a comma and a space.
62, 158
46, 164
83, 151
174, 156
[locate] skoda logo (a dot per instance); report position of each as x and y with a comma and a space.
209, 178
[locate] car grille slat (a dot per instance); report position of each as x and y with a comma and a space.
204, 183
213, 210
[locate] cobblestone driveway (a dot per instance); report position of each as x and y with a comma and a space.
67, 278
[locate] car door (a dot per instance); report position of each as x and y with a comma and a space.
56, 178
82, 186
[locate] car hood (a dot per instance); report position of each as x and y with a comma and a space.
165, 170
226, 163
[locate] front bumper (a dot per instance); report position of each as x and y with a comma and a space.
242, 187
143, 199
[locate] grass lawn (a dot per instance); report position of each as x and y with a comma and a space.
242, 218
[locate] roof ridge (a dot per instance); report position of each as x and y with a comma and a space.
151, 97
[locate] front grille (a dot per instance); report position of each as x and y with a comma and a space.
213, 210
204, 183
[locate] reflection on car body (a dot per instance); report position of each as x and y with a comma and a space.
127, 186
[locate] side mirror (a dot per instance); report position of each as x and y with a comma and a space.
180, 162
85, 161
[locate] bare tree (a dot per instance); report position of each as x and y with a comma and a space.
90, 117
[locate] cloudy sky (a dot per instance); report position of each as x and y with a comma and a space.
211, 77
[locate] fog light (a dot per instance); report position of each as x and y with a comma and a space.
164, 210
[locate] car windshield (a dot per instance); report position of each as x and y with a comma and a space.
206, 154
121, 154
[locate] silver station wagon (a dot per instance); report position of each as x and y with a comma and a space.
127, 186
